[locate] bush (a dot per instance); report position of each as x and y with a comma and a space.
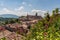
46, 29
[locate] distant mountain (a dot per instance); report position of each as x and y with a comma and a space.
9, 16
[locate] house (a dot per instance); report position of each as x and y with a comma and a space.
29, 20
30, 17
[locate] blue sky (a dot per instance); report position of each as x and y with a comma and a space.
21, 7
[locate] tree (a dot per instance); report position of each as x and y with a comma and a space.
47, 16
53, 12
6, 22
11, 21
57, 10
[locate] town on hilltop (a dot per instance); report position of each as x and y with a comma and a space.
10, 30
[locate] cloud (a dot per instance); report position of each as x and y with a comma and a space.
40, 12
26, 4
34, 10
20, 8
20, 11
23, 3
17, 11
8, 11
4, 10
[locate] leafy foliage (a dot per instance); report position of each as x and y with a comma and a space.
46, 29
3, 38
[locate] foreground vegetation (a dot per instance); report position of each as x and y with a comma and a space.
46, 29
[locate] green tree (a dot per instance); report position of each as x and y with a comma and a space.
57, 10
39, 32
47, 16
53, 12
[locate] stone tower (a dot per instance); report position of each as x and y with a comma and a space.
36, 14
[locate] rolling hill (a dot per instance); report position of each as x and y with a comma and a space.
9, 16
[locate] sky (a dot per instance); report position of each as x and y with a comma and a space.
24, 7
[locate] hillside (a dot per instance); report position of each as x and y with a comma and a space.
9, 16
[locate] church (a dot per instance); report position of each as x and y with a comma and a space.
30, 17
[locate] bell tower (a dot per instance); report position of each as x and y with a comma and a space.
36, 14
27, 16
